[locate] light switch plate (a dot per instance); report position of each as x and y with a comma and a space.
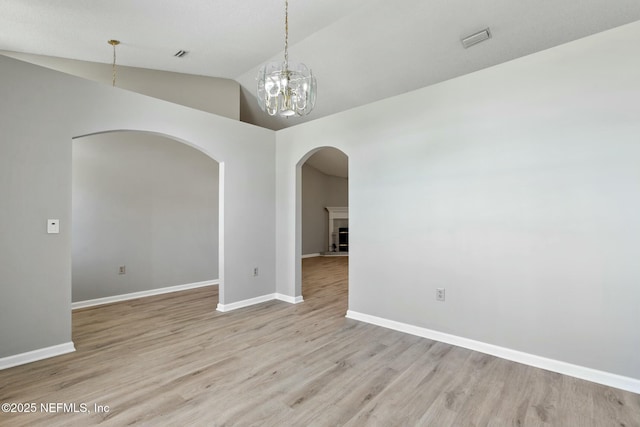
53, 226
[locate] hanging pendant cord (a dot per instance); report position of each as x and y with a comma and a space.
114, 66
114, 43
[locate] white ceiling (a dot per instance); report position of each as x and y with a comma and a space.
360, 50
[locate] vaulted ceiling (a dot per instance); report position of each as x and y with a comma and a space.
360, 50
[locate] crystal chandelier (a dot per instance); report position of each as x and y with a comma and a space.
286, 89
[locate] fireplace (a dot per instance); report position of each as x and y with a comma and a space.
338, 230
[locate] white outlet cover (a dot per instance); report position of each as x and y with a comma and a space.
53, 226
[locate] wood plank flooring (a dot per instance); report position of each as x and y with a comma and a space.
173, 360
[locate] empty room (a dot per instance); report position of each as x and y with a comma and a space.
295, 213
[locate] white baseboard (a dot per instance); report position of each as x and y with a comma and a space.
245, 303
289, 299
141, 294
35, 355
311, 255
257, 300
589, 374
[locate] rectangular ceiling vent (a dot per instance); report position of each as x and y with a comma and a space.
180, 53
476, 38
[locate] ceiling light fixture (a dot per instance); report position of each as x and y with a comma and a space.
476, 38
180, 53
114, 43
286, 89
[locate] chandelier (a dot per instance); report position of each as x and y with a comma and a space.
286, 89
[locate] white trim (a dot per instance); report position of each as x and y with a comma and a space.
289, 299
582, 372
258, 300
35, 355
141, 294
245, 303
221, 209
311, 255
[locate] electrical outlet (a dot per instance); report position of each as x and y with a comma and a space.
439, 294
255, 271
122, 269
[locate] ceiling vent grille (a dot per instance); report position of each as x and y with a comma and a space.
476, 38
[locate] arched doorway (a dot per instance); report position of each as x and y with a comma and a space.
323, 235
145, 217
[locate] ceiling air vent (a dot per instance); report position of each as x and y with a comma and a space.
476, 38
180, 53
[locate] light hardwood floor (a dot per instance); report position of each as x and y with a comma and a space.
172, 360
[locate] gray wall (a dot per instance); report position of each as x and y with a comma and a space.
41, 111
319, 191
516, 188
35, 184
211, 94
143, 201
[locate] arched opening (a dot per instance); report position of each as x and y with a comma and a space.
145, 211
323, 223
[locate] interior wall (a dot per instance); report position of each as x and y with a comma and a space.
41, 111
145, 202
319, 190
514, 188
35, 185
211, 94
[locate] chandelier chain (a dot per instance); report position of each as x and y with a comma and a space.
286, 35
113, 43
114, 66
